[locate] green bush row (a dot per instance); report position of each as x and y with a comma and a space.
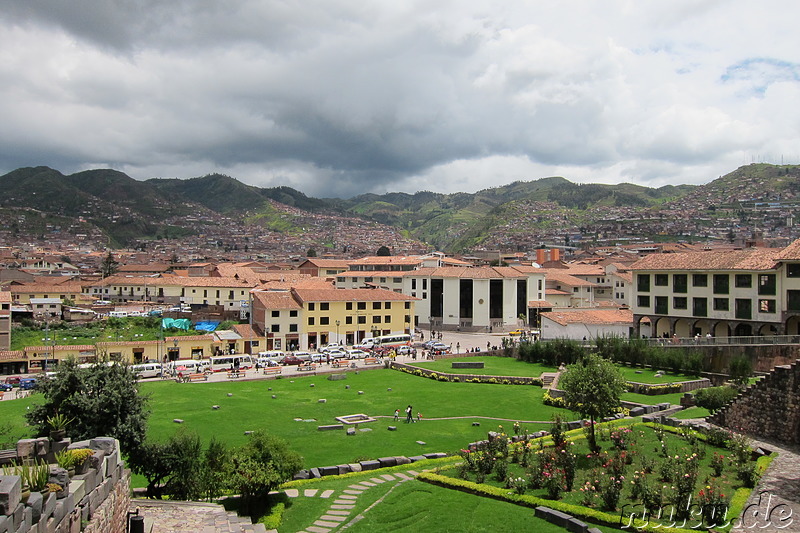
455, 378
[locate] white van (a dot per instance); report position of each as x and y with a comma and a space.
192, 366
270, 358
118, 314
147, 370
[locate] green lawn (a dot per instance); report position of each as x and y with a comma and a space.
648, 375
673, 398
493, 366
692, 412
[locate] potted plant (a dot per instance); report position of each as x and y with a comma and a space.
58, 426
81, 456
55, 488
66, 460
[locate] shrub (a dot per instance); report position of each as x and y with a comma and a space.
740, 369
714, 398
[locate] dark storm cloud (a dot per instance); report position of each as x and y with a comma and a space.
338, 98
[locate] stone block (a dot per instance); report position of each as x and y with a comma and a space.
314, 472
436, 455
107, 444
36, 503
351, 431
344, 469
648, 419
370, 465
637, 411
392, 428
322, 400
178, 420
59, 511
77, 487
328, 471
576, 526
593, 530
337, 377
403, 460
330, 427
360, 392
303, 474
26, 447
10, 493
274, 396
42, 446
49, 506
387, 461
5, 523
355, 467
421, 443
415, 458
112, 460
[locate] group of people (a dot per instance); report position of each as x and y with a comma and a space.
409, 415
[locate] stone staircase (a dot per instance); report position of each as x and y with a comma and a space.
193, 517
549, 380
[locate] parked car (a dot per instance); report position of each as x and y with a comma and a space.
27, 383
517, 332
293, 360
356, 354
331, 346
405, 350
439, 347
5, 387
335, 353
13, 380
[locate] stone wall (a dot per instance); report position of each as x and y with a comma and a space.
95, 500
770, 409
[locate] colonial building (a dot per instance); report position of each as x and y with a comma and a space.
730, 293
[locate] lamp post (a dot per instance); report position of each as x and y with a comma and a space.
338, 339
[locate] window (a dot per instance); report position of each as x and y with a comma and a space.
662, 305
340, 279
766, 306
793, 270
348, 320
793, 300
575, 289
424, 284
324, 321
680, 283
643, 301
311, 321
743, 308
311, 306
699, 306
376, 305
397, 280
722, 304
275, 328
355, 280
387, 305
368, 279
376, 319
276, 314
362, 319
348, 306
292, 328
743, 281
324, 306
661, 280
721, 284
407, 305
766, 284
643, 283
387, 319
680, 302
293, 313
362, 306
413, 283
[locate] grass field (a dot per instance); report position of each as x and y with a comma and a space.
493, 366
648, 375
251, 407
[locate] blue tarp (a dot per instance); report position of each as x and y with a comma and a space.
177, 323
209, 325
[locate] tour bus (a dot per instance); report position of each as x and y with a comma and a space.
147, 370
221, 363
392, 341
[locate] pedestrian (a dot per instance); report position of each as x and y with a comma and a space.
396, 415
419, 416
458, 347
409, 414
488, 346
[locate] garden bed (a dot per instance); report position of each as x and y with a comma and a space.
639, 466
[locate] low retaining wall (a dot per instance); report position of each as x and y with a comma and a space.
666, 388
97, 499
361, 466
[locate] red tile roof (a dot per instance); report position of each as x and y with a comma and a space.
750, 259
591, 316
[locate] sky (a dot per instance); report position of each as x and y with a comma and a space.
336, 98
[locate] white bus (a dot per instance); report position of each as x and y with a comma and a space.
221, 363
393, 341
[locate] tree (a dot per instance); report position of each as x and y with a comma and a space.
109, 266
260, 466
740, 370
592, 388
102, 401
311, 253
383, 251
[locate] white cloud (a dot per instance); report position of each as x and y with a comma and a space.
338, 98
